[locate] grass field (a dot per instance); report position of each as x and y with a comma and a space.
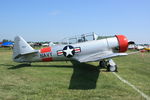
67, 81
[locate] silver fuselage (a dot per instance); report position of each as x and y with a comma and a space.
83, 50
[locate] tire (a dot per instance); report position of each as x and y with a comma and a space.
112, 68
102, 64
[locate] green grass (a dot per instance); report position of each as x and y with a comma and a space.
67, 81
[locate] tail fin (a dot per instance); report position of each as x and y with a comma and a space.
21, 47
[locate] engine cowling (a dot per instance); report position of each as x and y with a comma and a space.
123, 43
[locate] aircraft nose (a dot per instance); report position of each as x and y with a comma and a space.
123, 43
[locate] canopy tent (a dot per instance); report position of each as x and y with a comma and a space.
7, 44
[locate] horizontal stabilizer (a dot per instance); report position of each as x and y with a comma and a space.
19, 55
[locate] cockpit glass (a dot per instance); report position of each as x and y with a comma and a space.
83, 38
72, 40
79, 39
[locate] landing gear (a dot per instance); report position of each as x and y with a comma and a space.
108, 64
112, 67
102, 64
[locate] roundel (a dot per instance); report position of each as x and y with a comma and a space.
68, 51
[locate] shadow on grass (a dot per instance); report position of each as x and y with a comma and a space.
84, 75
26, 65
17, 66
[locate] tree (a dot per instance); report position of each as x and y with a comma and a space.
6, 40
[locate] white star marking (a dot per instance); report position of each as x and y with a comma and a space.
68, 51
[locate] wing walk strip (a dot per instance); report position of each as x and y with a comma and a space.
131, 85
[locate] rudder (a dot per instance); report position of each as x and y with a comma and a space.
21, 47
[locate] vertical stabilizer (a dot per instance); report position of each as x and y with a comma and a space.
21, 47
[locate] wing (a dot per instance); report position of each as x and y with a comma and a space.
100, 56
130, 53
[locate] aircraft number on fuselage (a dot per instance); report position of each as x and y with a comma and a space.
46, 55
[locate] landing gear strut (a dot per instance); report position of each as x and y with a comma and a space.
110, 65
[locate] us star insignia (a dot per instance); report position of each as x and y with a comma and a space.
68, 51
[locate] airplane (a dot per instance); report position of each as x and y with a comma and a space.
139, 47
81, 50
147, 48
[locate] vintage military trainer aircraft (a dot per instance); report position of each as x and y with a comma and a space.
81, 49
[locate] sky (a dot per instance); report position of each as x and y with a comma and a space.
53, 20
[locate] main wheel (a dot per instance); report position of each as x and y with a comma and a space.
111, 68
102, 64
